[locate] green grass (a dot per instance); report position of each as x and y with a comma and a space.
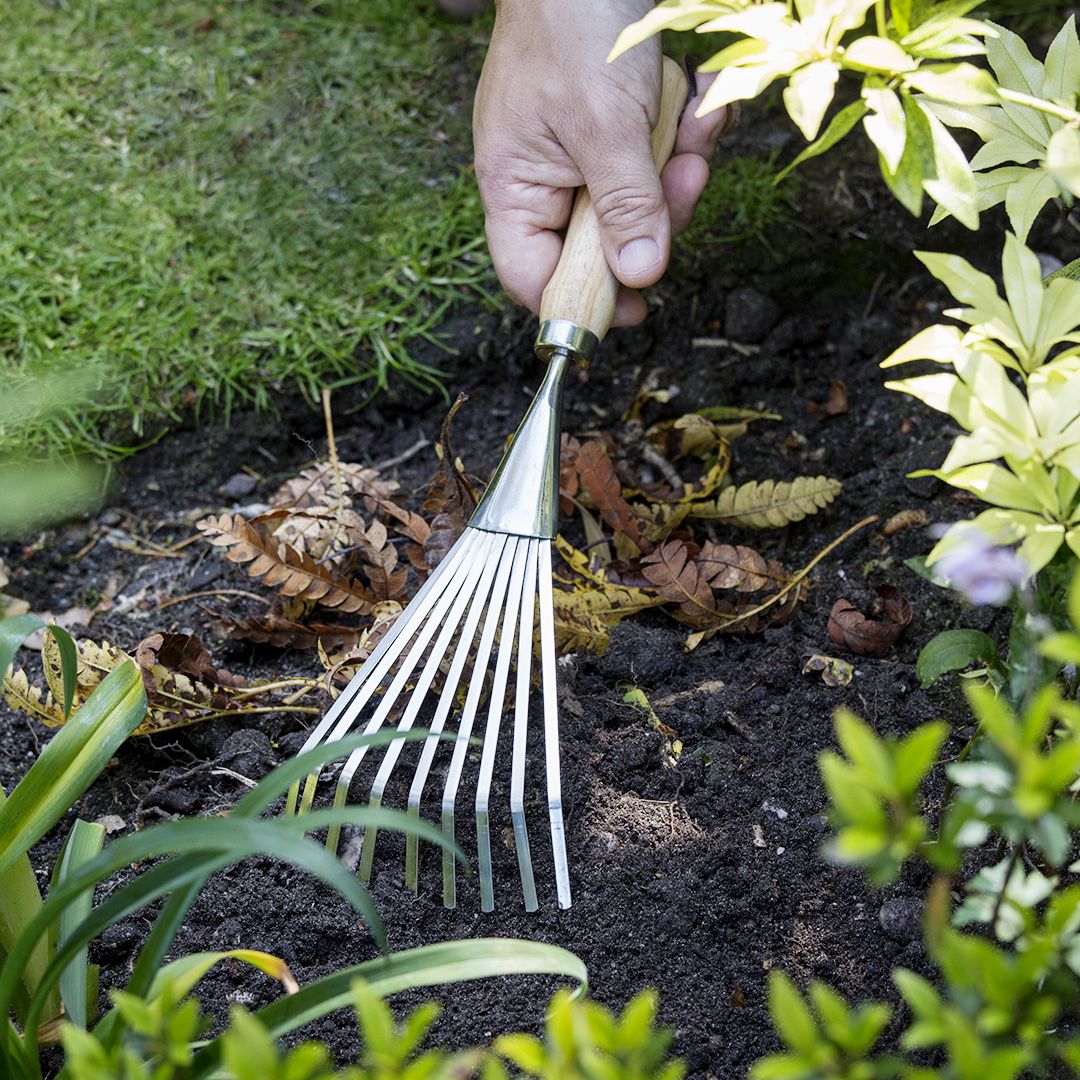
204, 204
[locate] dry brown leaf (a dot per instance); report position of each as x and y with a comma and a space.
451, 497
600, 482
871, 636
675, 574
291, 572
905, 519
284, 633
733, 566
836, 404
184, 654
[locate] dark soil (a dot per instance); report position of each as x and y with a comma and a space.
696, 879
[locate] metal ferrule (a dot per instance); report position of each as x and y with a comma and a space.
563, 334
523, 496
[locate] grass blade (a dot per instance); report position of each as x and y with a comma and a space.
71, 762
21, 901
13, 632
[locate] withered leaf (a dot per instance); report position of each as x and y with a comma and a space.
291, 572
600, 482
871, 636
733, 566
836, 404
451, 497
834, 671
283, 633
674, 572
768, 504
185, 654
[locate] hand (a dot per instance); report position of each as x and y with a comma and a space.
551, 114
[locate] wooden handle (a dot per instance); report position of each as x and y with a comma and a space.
583, 288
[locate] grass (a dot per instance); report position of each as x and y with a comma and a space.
204, 204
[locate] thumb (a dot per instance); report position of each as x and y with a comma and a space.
629, 202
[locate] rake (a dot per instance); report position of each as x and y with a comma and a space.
495, 580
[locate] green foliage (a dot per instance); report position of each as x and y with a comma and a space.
824, 1036
910, 58
219, 201
181, 856
1008, 987
584, 1041
874, 787
955, 650
1030, 335
1011, 132
741, 203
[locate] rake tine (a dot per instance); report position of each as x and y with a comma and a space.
351, 701
444, 622
521, 728
461, 743
491, 734
487, 557
551, 728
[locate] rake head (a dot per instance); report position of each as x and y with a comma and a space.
478, 606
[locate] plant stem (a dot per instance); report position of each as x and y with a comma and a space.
879, 15
1040, 105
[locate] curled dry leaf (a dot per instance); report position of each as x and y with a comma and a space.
343, 664
451, 497
905, 519
836, 404
674, 572
186, 655
833, 670
871, 636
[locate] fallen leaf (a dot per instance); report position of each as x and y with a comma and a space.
833, 670
871, 636
905, 519
836, 404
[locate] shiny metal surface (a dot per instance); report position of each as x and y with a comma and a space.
568, 336
523, 496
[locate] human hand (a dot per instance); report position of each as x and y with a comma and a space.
551, 114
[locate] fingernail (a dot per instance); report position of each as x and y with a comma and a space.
638, 256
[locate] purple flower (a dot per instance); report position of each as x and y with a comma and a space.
984, 572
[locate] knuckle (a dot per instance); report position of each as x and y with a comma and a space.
626, 208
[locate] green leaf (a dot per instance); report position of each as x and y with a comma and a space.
82, 844
809, 93
839, 126
953, 185
917, 162
916, 754
430, 965
13, 632
793, 1020
886, 126
71, 761
954, 650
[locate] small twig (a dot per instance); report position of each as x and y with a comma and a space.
222, 771
724, 343
405, 455
331, 444
1000, 898
210, 592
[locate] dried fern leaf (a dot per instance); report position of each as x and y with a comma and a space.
291, 572
675, 574
768, 504
282, 633
585, 617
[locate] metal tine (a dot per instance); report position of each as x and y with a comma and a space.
495, 708
461, 588
488, 559
521, 728
405, 669
351, 701
461, 743
551, 728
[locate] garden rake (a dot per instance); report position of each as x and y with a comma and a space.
495, 578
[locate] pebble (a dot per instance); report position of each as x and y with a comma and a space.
238, 486
749, 315
901, 918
